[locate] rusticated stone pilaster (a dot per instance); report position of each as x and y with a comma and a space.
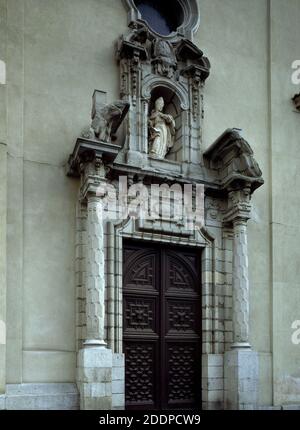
238, 214
241, 363
95, 276
240, 293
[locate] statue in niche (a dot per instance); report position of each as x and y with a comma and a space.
161, 130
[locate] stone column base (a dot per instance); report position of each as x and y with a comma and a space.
94, 378
212, 381
241, 379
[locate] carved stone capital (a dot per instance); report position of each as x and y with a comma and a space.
239, 206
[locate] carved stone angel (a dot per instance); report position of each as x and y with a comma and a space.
161, 130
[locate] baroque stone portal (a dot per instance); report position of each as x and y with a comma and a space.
161, 131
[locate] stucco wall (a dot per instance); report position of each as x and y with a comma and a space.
3, 195
58, 52
252, 46
285, 164
234, 36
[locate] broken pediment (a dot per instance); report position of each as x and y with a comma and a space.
232, 157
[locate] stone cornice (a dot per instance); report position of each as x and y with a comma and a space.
87, 150
89, 162
240, 212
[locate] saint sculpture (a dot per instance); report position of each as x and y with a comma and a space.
161, 131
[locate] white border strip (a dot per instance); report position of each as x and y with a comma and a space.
2, 73
2, 333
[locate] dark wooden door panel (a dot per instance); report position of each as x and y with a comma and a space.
161, 327
141, 374
141, 316
182, 317
183, 387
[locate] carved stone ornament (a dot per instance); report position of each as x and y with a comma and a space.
106, 118
162, 131
164, 58
95, 142
232, 156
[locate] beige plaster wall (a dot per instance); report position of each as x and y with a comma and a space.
58, 52
3, 197
3, 208
252, 46
234, 36
285, 164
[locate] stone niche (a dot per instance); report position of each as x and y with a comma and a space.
175, 69
174, 108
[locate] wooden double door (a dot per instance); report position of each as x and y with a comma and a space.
161, 327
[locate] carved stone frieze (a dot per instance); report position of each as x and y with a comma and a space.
215, 209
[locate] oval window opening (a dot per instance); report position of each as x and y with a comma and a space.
161, 17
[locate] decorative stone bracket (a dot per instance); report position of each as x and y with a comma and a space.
87, 150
